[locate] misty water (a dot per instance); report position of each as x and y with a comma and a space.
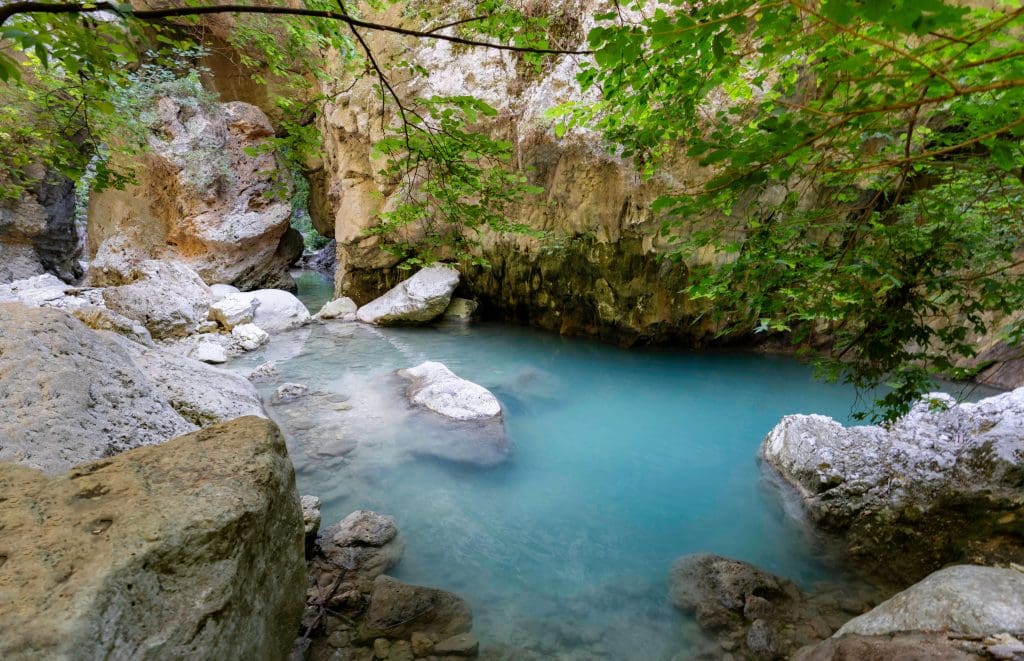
621, 461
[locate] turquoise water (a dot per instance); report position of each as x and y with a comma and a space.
622, 461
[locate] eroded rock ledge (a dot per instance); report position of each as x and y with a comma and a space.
189, 549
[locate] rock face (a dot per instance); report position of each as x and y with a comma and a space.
167, 297
71, 395
756, 613
965, 599
437, 388
921, 494
38, 232
209, 194
420, 299
598, 274
190, 549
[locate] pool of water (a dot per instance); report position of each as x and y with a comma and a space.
621, 461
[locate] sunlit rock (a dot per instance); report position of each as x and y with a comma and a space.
420, 299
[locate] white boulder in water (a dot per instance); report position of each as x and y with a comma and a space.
420, 299
437, 388
234, 310
343, 308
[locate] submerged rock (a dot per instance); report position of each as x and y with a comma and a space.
287, 392
751, 611
191, 549
420, 299
437, 388
168, 298
920, 494
70, 394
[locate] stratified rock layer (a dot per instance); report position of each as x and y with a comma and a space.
934, 486
191, 549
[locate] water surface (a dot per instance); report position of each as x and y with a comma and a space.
622, 461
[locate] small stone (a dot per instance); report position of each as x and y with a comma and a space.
401, 650
250, 336
381, 647
264, 371
422, 645
463, 644
287, 392
210, 352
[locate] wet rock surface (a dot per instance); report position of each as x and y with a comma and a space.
752, 613
942, 484
189, 549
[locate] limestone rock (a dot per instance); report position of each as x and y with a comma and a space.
168, 298
437, 388
420, 299
276, 310
460, 309
916, 646
234, 310
36, 291
463, 644
964, 599
250, 336
365, 543
397, 609
190, 549
219, 291
205, 195
310, 521
100, 318
287, 392
343, 308
201, 393
264, 371
918, 494
210, 352
71, 395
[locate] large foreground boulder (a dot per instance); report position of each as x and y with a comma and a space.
930, 489
70, 395
420, 299
191, 549
208, 192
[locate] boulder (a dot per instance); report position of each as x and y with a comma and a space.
437, 388
210, 352
168, 298
250, 336
70, 394
364, 543
343, 308
200, 393
907, 499
964, 599
287, 392
420, 299
276, 310
190, 549
397, 609
753, 611
208, 192
310, 522
234, 310
219, 291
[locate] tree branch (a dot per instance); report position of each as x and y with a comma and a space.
13, 9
